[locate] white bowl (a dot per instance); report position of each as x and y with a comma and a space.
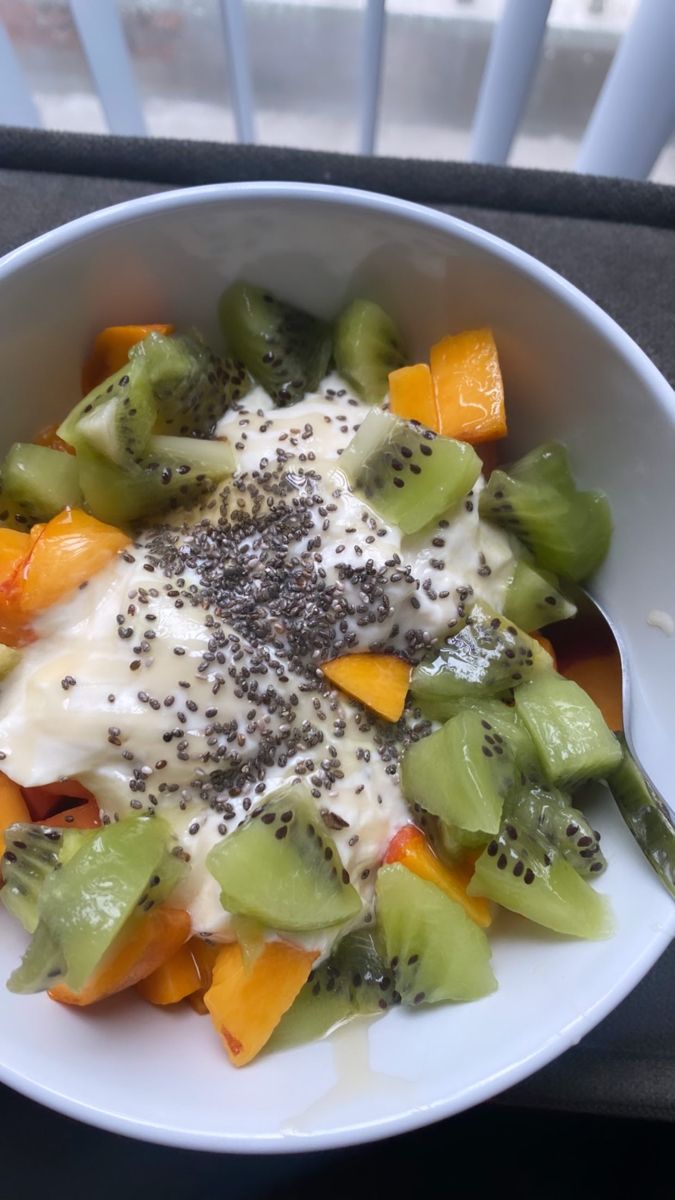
570, 373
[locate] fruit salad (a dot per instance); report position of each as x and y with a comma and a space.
280, 734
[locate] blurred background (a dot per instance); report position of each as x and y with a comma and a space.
305, 72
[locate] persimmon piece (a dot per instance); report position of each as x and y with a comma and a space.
49, 437
71, 548
246, 1006
111, 349
13, 807
14, 546
410, 848
412, 396
177, 978
154, 938
46, 799
205, 954
77, 816
380, 681
468, 386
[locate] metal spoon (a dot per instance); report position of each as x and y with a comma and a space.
640, 804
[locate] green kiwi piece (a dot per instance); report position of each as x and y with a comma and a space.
286, 350
407, 473
549, 815
524, 876
282, 868
489, 656
566, 530
569, 732
462, 774
646, 815
353, 981
39, 482
115, 418
496, 718
172, 473
191, 385
119, 429
118, 873
533, 599
436, 952
173, 385
32, 852
367, 348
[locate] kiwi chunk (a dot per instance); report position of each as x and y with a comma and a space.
462, 774
488, 656
119, 872
32, 853
549, 815
172, 473
38, 483
407, 473
536, 498
568, 730
282, 868
367, 348
533, 598
174, 385
522, 875
496, 718
645, 814
286, 350
353, 981
435, 950
130, 413
190, 384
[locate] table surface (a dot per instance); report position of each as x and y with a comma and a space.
615, 241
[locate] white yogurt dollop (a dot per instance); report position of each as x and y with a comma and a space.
198, 651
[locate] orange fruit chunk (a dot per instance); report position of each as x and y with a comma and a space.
154, 937
380, 681
246, 1006
412, 396
468, 385
111, 349
410, 848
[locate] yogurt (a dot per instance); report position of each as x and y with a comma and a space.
197, 653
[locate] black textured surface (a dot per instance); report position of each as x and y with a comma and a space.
185, 163
616, 241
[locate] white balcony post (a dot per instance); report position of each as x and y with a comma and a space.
100, 31
509, 72
635, 112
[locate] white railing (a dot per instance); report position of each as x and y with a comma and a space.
631, 122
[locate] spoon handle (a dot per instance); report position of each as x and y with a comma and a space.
646, 815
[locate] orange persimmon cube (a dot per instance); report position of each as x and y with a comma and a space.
13, 807
71, 548
410, 848
14, 547
86, 815
155, 937
468, 386
412, 396
247, 1005
111, 349
175, 979
380, 681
